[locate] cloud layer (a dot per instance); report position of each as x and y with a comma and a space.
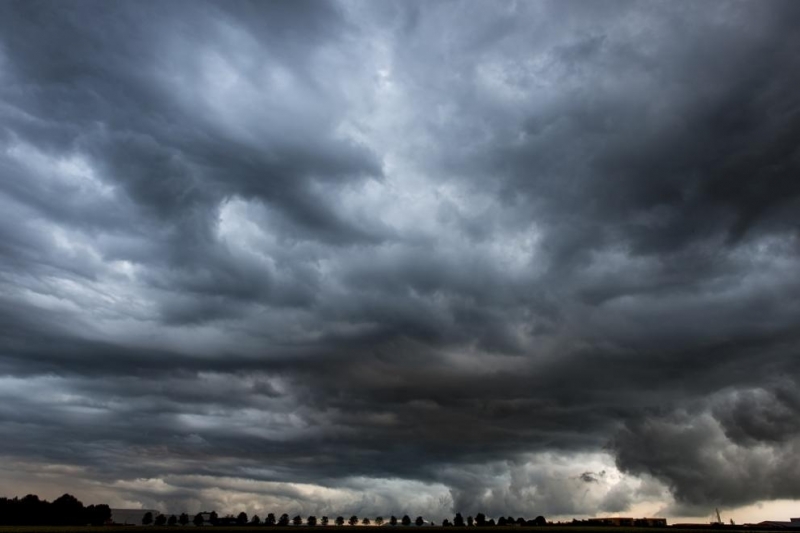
533, 258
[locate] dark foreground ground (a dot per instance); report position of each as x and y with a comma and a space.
365, 529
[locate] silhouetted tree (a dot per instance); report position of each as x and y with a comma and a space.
393, 520
270, 521
241, 518
419, 521
283, 521
27, 510
521, 521
183, 519
97, 515
213, 517
490, 523
64, 511
379, 521
173, 520
147, 519
161, 520
353, 520
312, 521
324, 521
198, 519
297, 521
446, 523
501, 521
256, 520
540, 521
470, 521
458, 520
366, 521
339, 521
510, 521
102, 513
68, 511
480, 519
406, 521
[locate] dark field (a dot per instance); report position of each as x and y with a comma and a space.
349, 529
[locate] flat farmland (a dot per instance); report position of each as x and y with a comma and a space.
361, 529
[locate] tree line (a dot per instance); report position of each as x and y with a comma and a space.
69, 511
64, 511
283, 521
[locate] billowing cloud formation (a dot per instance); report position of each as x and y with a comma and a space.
750, 438
529, 259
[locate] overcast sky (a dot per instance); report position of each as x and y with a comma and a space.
402, 257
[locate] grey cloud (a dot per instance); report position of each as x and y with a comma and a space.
753, 416
726, 456
347, 244
589, 477
540, 482
152, 138
648, 151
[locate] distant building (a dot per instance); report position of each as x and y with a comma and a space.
793, 523
131, 517
617, 521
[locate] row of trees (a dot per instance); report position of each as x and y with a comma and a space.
64, 511
69, 511
242, 519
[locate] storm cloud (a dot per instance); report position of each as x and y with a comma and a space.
401, 257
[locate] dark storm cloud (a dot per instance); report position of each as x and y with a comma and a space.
458, 246
652, 150
721, 457
99, 87
762, 415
